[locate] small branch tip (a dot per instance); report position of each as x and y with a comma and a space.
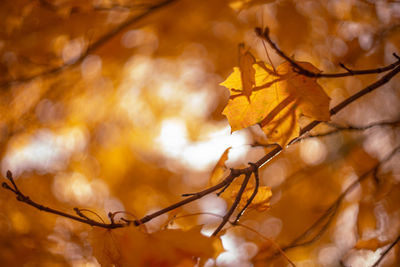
6, 186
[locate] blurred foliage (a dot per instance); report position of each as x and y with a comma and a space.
115, 105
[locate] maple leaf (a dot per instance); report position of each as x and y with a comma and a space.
276, 101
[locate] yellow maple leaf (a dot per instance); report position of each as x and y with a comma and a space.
276, 100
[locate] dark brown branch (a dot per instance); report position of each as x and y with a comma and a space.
265, 35
366, 90
226, 217
80, 218
386, 252
234, 173
253, 195
350, 128
386, 78
93, 47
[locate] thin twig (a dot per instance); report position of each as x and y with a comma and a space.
267, 239
253, 195
234, 224
83, 219
78, 211
265, 35
386, 78
351, 128
386, 252
226, 217
234, 174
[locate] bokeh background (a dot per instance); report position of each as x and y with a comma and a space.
116, 106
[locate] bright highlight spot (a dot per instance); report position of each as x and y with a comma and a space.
91, 67
173, 137
313, 151
45, 151
75, 187
72, 51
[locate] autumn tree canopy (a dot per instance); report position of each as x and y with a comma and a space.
200, 133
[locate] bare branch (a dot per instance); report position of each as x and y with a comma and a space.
234, 174
234, 205
265, 35
339, 128
386, 252
257, 179
80, 218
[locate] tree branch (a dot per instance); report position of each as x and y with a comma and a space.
351, 128
253, 195
265, 35
80, 218
234, 172
386, 252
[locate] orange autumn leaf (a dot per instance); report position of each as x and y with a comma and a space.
219, 169
129, 246
276, 102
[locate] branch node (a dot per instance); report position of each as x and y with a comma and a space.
6, 186
346, 68
396, 56
80, 214
111, 217
223, 189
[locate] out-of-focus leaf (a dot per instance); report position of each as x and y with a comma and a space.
219, 169
171, 247
371, 244
276, 101
366, 217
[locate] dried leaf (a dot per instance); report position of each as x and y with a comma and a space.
170, 247
219, 169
